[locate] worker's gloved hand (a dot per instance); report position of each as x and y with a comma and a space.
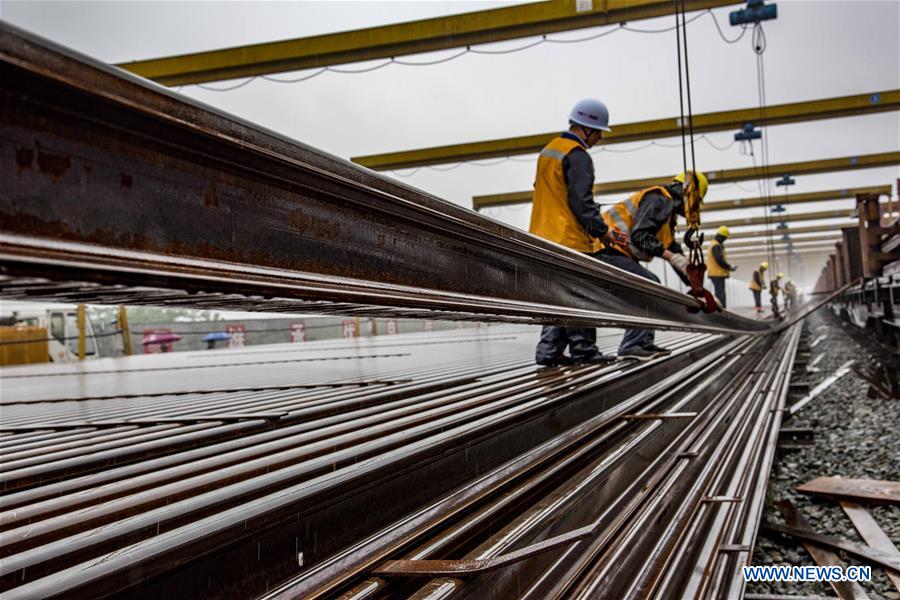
679, 261
606, 239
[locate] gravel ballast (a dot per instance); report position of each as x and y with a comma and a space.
855, 437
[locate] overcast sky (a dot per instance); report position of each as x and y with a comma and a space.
814, 50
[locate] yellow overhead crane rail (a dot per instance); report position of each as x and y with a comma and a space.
762, 233
847, 163
754, 245
778, 114
804, 198
414, 37
845, 213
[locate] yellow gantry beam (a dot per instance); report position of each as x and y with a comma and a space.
805, 198
754, 245
388, 41
779, 114
783, 218
865, 161
792, 231
825, 250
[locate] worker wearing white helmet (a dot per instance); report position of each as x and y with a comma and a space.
564, 212
717, 266
758, 284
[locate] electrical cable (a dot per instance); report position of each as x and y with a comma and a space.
468, 50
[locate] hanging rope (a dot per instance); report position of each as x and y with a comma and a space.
693, 239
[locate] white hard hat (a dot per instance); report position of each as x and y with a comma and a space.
590, 113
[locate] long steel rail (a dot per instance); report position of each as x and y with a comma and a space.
80, 516
110, 185
613, 508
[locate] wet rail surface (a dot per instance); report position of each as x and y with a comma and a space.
456, 446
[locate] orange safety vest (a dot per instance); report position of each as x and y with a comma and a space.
620, 219
753, 284
713, 268
551, 217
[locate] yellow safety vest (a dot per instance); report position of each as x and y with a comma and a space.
753, 284
551, 217
713, 269
620, 219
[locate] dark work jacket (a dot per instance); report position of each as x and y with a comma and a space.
654, 211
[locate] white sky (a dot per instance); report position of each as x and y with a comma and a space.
815, 50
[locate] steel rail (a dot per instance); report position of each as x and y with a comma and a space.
335, 238
56, 466
605, 565
691, 563
592, 487
221, 521
637, 560
58, 497
328, 577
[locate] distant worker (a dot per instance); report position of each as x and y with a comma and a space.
790, 295
564, 212
774, 289
717, 266
643, 227
758, 284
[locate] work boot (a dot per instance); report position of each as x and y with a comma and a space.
638, 353
561, 360
657, 349
596, 358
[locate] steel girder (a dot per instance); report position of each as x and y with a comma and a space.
401, 39
777, 114
812, 167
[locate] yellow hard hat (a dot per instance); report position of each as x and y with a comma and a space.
701, 180
764, 265
723, 231
780, 275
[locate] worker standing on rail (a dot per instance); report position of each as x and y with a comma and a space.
642, 227
564, 212
758, 284
717, 266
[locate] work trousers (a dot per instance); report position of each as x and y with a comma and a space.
633, 337
757, 298
719, 286
581, 341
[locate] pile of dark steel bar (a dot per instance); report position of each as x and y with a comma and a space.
658, 468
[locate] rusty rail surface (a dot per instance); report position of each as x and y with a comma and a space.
110, 185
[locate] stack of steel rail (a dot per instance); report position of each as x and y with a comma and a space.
626, 480
230, 493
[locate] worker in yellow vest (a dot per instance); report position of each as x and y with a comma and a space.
717, 266
758, 284
640, 228
564, 212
